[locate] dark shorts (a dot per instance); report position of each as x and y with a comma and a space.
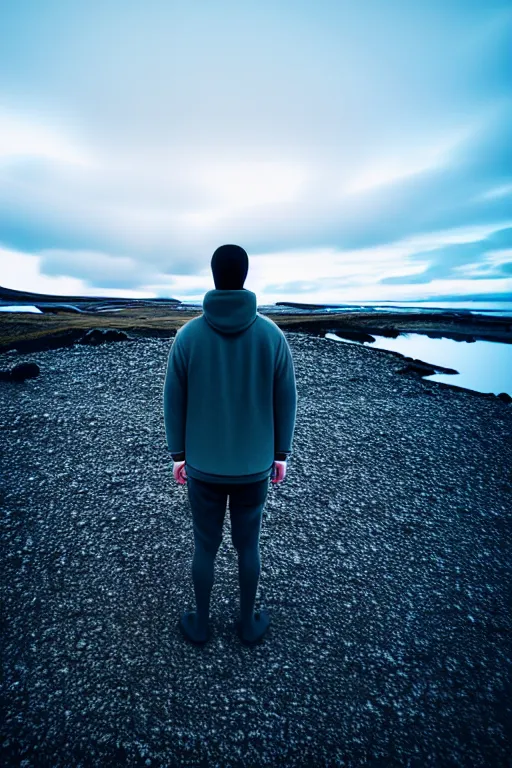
208, 502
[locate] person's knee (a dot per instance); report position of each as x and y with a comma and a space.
208, 548
247, 547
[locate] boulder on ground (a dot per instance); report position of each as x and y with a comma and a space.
20, 372
101, 335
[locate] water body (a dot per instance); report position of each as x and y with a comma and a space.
484, 366
20, 308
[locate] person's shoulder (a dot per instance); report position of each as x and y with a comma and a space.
271, 326
188, 327
275, 333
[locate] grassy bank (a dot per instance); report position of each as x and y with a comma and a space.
17, 327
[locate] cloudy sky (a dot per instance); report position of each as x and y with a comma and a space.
356, 150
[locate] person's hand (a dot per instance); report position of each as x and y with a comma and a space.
278, 472
179, 472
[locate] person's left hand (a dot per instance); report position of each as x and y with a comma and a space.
179, 472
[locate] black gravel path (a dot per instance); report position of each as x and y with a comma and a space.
386, 569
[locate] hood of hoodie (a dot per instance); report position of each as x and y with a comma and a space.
230, 311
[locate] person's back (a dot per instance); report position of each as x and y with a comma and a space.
240, 391
231, 377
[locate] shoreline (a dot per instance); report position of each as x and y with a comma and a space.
27, 332
35, 333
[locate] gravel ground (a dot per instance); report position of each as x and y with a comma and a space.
386, 570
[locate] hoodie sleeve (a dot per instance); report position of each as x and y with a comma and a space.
285, 403
175, 401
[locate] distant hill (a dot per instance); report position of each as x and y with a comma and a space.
298, 305
26, 297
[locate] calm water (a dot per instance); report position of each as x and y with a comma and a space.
484, 366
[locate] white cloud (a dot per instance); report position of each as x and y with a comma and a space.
496, 192
241, 183
496, 258
31, 137
457, 235
335, 277
406, 162
95, 267
295, 140
489, 265
22, 272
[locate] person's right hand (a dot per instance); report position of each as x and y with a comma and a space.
278, 471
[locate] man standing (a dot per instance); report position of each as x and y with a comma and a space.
230, 403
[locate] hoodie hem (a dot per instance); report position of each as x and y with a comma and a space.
227, 479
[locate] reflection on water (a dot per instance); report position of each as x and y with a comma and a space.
484, 366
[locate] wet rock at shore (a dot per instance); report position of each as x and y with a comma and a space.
423, 369
355, 335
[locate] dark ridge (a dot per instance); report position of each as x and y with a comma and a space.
10, 294
298, 305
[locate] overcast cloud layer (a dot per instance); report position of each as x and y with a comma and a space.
355, 150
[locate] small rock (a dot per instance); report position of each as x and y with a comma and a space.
24, 371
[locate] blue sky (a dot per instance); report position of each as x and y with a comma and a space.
357, 151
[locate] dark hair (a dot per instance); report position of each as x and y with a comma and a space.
230, 264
